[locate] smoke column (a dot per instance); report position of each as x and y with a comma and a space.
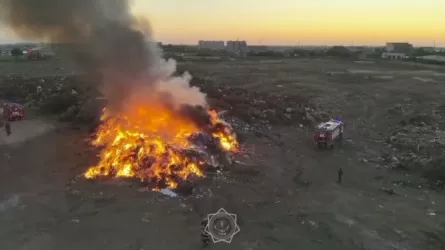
104, 37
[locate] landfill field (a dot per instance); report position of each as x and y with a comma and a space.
284, 191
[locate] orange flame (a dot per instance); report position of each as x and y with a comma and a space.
148, 142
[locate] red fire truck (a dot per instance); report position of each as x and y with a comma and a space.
13, 111
327, 133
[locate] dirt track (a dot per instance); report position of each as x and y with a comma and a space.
287, 199
25, 130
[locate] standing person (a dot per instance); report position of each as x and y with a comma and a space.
340, 174
8, 128
205, 237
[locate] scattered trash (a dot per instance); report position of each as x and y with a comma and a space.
440, 137
400, 233
146, 220
168, 192
259, 108
388, 191
314, 225
243, 163
425, 80
431, 212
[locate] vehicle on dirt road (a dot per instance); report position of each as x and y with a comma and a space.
39, 53
327, 133
13, 111
34, 55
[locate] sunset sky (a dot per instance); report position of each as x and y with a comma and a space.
292, 22
296, 21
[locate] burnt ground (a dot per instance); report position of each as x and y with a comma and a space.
285, 193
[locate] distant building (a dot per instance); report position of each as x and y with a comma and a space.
212, 45
394, 56
237, 47
399, 47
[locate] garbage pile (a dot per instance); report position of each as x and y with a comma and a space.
418, 142
261, 108
72, 100
64, 96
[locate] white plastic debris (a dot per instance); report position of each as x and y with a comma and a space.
431, 212
168, 192
222, 113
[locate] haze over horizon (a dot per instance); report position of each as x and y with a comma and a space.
291, 22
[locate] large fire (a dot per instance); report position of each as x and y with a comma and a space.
158, 145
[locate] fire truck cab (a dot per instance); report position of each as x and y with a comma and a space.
327, 133
13, 111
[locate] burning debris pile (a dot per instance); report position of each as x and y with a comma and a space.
158, 145
148, 137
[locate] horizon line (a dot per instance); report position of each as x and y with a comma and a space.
254, 44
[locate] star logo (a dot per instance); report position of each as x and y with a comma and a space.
222, 226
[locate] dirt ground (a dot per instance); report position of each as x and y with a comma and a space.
285, 194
